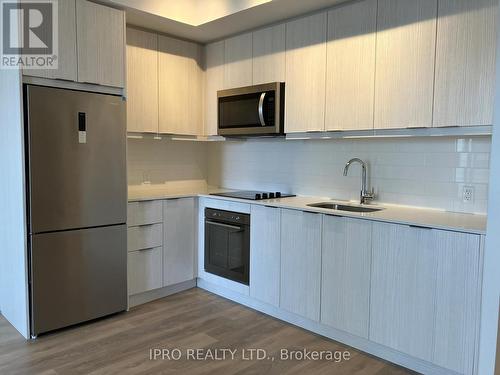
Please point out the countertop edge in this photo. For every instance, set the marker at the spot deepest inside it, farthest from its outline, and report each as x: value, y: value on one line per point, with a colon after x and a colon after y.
x: 281, y: 203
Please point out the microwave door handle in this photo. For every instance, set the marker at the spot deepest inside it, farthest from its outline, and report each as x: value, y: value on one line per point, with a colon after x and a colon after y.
x: 261, y: 109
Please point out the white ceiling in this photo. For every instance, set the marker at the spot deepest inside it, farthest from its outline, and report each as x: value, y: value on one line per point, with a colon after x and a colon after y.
x: 191, y: 12
x: 208, y: 20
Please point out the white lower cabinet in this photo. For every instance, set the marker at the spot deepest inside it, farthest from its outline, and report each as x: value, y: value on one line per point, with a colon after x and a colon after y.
x: 144, y: 270
x: 145, y: 212
x: 265, y: 254
x: 144, y: 237
x: 179, y: 238
x: 425, y: 294
x: 412, y: 293
x: 144, y: 246
x: 301, y: 263
x: 345, y: 286
x: 161, y: 243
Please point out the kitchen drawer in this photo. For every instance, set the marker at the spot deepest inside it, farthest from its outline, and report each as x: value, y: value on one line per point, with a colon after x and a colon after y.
x: 145, y: 270
x: 147, y: 212
x: 145, y: 237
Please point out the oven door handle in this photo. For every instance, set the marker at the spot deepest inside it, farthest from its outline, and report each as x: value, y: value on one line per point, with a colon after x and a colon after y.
x: 261, y: 109
x: 224, y: 225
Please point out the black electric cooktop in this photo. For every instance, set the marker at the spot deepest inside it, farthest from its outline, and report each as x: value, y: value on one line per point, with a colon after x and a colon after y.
x: 253, y: 195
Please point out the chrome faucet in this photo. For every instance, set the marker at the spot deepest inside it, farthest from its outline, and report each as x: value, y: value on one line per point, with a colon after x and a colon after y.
x: 365, y: 195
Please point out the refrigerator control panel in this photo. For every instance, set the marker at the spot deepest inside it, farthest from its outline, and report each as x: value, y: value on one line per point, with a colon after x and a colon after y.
x: 82, y: 127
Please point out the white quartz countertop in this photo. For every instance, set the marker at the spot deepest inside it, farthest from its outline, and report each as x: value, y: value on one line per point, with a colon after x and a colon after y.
x: 416, y: 216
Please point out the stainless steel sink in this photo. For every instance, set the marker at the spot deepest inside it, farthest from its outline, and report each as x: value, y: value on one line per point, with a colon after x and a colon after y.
x: 344, y: 207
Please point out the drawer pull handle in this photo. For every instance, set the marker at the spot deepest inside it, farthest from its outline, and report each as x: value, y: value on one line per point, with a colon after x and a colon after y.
x: 147, y: 225
x: 146, y: 249
x: 420, y: 227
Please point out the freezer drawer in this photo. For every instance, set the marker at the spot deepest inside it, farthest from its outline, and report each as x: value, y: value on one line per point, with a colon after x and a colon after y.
x: 77, y: 276
x: 77, y: 159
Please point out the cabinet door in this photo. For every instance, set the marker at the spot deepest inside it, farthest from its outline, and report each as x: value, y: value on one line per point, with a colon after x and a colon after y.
x: 345, y: 287
x: 269, y: 55
x: 406, y: 47
x: 144, y: 270
x: 142, y: 81
x: 350, y: 76
x: 180, y: 82
x: 101, y: 44
x: 424, y: 294
x: 67, y: 66
x: 214, y: 81
x: 238, y: 61
x: 265, y: 231
x: 179, y: 240
x: 305, y: 74
x: 458, y: 300
x: 465, y: 62
x: 301, y: 263
x: 402, y: 297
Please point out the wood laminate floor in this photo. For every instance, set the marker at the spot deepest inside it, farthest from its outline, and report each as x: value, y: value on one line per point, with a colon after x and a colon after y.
x: 194, y: 319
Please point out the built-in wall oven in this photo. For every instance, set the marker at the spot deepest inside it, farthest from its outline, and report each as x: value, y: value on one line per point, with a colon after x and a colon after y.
x: 252, y: 111
x: 227, y: 244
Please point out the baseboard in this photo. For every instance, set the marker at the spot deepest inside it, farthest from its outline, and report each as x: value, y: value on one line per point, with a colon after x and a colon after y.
x: 142, y: 298
x: 356, y: 342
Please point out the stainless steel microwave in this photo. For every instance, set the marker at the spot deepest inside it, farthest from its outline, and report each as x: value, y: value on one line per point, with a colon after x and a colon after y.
x: 252, y: 111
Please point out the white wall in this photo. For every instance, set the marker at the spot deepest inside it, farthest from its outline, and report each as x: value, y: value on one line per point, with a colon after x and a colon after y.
x: 13, y: 236
x: 427, y: 172
x: 161, y: 161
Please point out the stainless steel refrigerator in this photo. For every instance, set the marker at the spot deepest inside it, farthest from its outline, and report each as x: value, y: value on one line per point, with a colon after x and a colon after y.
x: 77, y: 206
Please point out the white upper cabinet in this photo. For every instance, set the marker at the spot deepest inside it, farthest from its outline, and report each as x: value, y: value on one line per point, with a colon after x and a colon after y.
x: 345, y: 286
x: 425, y: 294
x: 101, y: 44
x: 269, y: 55
x: 180, y: 87
x: 305, y: 74
x: 67, y: 67
x: 465, y: 62
x: 214, y: 81
x: 142, y: 81
x: 350, y: 75
x: 406, y: 47
x: 238, y: 61
x: 301, y: 263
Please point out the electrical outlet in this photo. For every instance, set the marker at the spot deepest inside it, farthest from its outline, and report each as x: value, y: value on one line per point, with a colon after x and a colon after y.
x: 468, y: 194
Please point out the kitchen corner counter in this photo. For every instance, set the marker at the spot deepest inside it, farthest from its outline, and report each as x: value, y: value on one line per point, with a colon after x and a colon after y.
x: 171, y: 190
x: 407, y: 215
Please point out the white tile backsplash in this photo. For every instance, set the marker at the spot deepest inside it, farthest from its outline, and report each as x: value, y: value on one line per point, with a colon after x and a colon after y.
x: 160, y: 161
x: 427, y: 172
